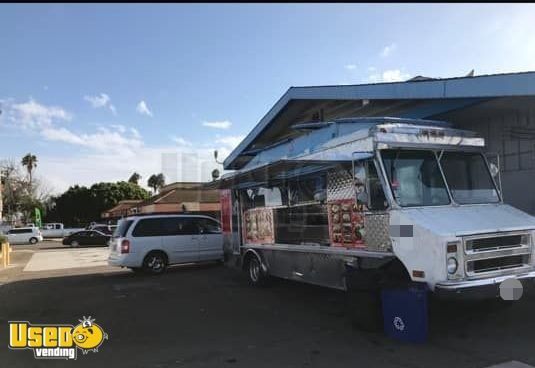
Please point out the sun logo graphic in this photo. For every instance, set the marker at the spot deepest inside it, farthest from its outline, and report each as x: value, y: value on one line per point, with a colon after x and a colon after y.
x: 88, y: 336
x: 61, y: 341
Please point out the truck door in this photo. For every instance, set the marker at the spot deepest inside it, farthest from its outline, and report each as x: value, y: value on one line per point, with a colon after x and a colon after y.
x: 371, y: 202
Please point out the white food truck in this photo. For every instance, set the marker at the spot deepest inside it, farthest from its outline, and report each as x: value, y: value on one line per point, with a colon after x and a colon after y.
x: 366, y: 201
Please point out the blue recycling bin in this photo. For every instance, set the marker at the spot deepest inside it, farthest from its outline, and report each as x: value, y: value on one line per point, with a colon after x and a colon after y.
x: 405, y: 313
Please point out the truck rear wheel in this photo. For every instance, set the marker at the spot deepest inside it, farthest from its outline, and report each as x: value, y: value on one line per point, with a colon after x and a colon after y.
x: 257, y: 276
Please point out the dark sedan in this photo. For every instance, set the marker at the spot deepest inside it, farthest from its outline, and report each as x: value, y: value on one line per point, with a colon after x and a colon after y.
x: 87, y: 237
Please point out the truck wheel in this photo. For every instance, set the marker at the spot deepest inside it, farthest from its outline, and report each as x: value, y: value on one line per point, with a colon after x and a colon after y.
x: 257, y: 276
x: 155, y: 263
x: 33, y: 240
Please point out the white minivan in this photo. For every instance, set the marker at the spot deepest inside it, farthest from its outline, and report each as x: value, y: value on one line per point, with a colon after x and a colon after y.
x: 24, y: 235
x: 151, y: 243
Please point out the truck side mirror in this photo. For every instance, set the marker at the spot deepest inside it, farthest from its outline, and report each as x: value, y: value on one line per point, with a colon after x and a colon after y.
x: 494, y: 169
x: 320, y: 196
x: 493, y: 160
x: 362, y: 198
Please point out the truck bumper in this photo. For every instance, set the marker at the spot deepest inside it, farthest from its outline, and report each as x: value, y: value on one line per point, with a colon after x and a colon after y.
x: 488, y: 288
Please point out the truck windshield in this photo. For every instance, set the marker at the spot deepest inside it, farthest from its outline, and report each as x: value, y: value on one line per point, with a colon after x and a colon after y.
x: 415, y: 178
x: 468, y: 178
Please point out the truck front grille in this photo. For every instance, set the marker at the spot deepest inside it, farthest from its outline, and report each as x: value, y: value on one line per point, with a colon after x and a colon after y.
x: 497, y: 253
x: 496, y: 242
x: 496, y: 264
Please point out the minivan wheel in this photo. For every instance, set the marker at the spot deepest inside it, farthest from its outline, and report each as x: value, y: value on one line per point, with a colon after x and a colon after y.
x: 33, y: 240
x: 155, y: 263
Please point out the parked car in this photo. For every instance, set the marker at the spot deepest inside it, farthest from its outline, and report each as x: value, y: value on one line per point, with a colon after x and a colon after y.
x: 151, y: 243
x: 24, y: 235
x: 87, y: 237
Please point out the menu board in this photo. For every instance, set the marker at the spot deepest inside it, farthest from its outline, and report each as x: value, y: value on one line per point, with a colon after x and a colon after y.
x: 258, y: 226
x: 346, y: 224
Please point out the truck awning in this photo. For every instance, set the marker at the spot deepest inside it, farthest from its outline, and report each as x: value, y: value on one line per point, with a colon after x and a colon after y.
x: 286, y: 169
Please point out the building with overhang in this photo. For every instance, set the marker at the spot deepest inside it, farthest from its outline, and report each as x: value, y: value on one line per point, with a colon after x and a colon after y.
x: 180, y: 197
x: 500, y: 107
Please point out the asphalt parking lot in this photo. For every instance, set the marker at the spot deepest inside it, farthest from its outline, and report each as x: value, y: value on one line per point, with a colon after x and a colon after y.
x: 208, y: 316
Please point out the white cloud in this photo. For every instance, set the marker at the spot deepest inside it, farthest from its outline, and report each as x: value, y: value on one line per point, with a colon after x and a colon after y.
x: 181, y: 141
x: 392, y: 75
x: 224, y: 124
x: 194, y: 163
x: 109, y: 153
x: 100, y: 101
x: 387, y: 50
x: 143, y: 109
x: 121, y: 128
x: 62, y: 135
x: 135, y: 133
x: 32, y: 114
x: 231, y: 141
x: 103, y: 140
x: 350, y: 66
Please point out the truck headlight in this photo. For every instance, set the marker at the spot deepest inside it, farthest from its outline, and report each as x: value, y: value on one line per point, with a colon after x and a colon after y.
x: 452, y: 265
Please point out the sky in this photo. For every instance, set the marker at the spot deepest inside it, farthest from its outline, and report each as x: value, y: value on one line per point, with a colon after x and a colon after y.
x: 98, y: 91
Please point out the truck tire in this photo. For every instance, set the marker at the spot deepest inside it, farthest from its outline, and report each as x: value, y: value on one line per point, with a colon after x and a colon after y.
x: 155, y: 263
x: 33, y: 240
x: 255, y: 274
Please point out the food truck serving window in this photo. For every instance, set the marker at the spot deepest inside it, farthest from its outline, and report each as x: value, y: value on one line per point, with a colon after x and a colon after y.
x: 307, y: 190
x: 415, y: 178
x: 265, y: 197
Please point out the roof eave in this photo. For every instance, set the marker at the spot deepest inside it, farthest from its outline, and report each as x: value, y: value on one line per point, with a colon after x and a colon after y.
x: 496, y: 85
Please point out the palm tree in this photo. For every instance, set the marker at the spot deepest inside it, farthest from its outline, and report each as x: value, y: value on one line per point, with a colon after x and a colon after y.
x: 156, y: 182
x: 30, y: 162
x: 134, y: 178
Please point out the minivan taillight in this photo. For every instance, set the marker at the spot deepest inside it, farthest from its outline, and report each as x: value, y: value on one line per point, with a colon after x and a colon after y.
x: 125, y: 246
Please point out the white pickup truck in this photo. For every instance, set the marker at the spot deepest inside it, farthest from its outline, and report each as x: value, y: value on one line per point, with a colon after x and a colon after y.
x: 57, y: 230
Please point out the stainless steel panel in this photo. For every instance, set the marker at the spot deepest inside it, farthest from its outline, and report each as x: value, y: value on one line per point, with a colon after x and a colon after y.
x: 319, y: 269
x: 340, y: 185
x: 376, y: 234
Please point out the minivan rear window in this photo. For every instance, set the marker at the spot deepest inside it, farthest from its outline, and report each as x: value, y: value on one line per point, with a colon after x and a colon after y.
x: 122, y: 228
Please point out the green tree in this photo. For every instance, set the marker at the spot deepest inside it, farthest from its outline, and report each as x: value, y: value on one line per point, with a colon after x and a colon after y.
x: 156, y: 182
x: 30, y: 162
x: 80, y: 205
x: 134, y: 178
